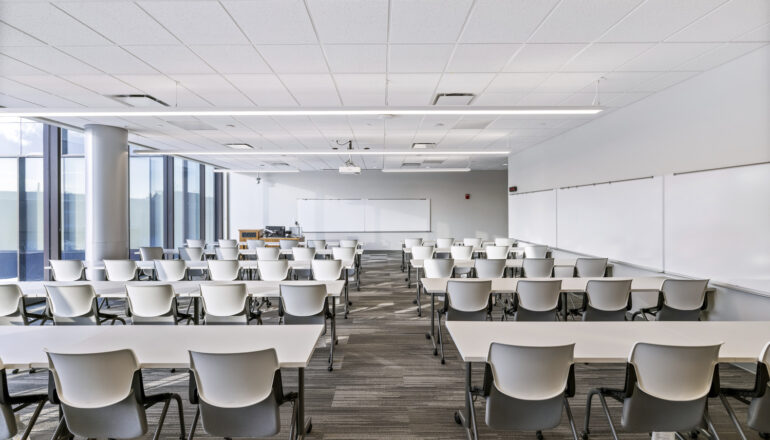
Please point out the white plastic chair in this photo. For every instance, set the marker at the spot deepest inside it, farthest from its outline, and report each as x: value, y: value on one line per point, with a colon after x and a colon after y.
x: 226, y: 304
x: 444, y: 243
x: 121, y: 270
x: 273, y: 270
x: 228, y: 243
x: 317, y: 244
x: 409, y: 243
x: 527, y: 388
x: 193, y: 243
x: 423, y: 252
x: 465, y: 300
x: 152, y: 304
x: 666, y: 389
x: 102, y: 395
x: 461, y: 252
x: 268, y: 253
x: 191, y: 253
x: 535, y: 251
x: 254, y: 244
x: 679, y: 300
x: 13, y: 404
x: 76, y: 305
x: 537, y: 267
x: 472, y: 242
x: 238, y: 394
x: 224, y: 270
x: 303, y: 253
x: 497, y: 252
x: 345, y: 254
x: 758, y: 398
x: 590, y: 267
x: 67, y: 270
x: 537, y: 300
x: 171, y: 270
x: 227, y: 253
x: 150, y: 253
x: 326, y: 270
x: 486, y: 268
x: 438, y: 267
x: 349, y: 243
x: 12, y: 310
x: 606, y: 300
x: 288, y: 244
x: 303, y: 304
x: 503, y: 241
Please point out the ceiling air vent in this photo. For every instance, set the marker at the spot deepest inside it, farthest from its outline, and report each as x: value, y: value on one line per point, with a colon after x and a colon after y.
x: 453, y: 99
x: 423, y: 146
x: 410, y: 164
x: 138, y: 100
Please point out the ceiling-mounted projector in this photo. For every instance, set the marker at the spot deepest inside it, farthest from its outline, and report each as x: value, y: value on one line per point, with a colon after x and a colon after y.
x: 350, y: 168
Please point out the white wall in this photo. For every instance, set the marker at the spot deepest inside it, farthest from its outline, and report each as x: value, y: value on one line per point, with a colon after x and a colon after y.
x: 274, y: 201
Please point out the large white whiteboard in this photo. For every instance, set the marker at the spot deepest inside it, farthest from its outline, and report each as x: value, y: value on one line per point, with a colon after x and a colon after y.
x: 718, y: 225
x: 621, y: 221
x: 364, y: 215
x: 532, y: 217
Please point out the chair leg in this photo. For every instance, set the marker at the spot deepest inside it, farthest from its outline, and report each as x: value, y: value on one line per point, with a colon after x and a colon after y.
x: 166, y: 404
x: 609, y: 418
x: 194, y: 423
x: 586, y: 429
x: 59, y: 429
x: 571, y: 420
x: 440, y: 339
x: 32, y: 420
x: 731, y: 413
x: 712, y: 430
x: 181, y: 416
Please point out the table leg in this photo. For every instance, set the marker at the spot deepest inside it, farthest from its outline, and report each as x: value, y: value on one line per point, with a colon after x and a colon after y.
x: 432, y: 334
x: 565, y: 309
x: 419, y: 302
x: 409, y: 275
x: 196, y: 311
x: 334, y: 334
x: 347, y: 302
x: 403, y: 259
x: 302, y: 424
x: 466, y: 417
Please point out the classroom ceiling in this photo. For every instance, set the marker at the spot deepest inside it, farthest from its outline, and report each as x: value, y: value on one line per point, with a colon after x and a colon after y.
x: 353, y: 53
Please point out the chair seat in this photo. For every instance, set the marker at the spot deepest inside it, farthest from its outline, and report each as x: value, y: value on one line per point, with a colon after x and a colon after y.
x: 645, y: 413
x: 509, y: 413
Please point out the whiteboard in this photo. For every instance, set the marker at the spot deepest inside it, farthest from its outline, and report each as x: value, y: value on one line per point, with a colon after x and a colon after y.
x: 621, y: 221
x: 532, y: 217
x: 718, y: 225
x: 364, y: 215
x: 388, y: 215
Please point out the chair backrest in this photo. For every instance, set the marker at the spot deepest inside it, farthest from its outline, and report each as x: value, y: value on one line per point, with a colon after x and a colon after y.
x: 120, y: 270
x: 193, y: 243
x: 412, y: 242
x: 253, y: 244
x: 317, y: 244
x: 70, y: 301
x: 226, y: 253
x: 438, y: 267
x: 234, y: 380
x: 537, y: 267
x: 531, y: 373
x: 764, y: 357
x: 348, y: 243
x: 228, y: 243
x: 224, y: 270
x: 535, y: 251
x: 503, y: 241
x: 10, y: 299
x: 191, y: 253
x: 590, y: 267
x: 423, y: 252
x: 150, y: 301
x: 67, y: 270
x: 445, y: 242
x: 675, y: 373
x: 684, y: 294
x: 303, y: 300
x: 608, y: 295
x: 461, y: 252
x: 268, y: 253
x: 170, y: 270
x: 538, y: 295
x: 224, y: 299
x: 497, y: 252
x: 472, y: 242
x: 326, y: 270
x: 149, y: 253
x: 345, y: 254
x: 288, y: 244
x: 273, y: 270
x: 486, y: 268
x: 303, y: 253
x: 468, y: 296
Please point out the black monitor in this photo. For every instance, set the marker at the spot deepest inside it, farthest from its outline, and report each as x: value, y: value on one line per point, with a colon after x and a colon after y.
x: 274, y: 231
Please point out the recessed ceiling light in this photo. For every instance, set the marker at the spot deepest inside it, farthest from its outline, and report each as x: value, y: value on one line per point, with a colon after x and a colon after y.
x: 239, y: 146
x: 423, y: 145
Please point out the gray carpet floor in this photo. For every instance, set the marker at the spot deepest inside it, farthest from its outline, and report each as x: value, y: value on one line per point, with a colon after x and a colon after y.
x: 386, y: 383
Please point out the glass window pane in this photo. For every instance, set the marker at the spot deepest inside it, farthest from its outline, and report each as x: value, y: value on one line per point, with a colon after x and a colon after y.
x: 72, y: 143
x: 31, y: 138
x: 146, y: 205
x: 193, y: 201
x: 10, y: 137
x: 9, y: 221
x: 210, y: 207
x: 31, y: 220
x: 179, y: 184
x: 157, y: 209
x: 73, y: 209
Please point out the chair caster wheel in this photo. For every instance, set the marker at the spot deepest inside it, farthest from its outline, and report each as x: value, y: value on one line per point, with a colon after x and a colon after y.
x: 458, y: 420
x: 584, y: 435
x: 435, y: 352
x: 330, y: 368
x: 414, y: 301
x: 337, y: 342
x: 764, y: 435
x: 309, y: 428
x: 443, y: 361
x: 427, y: 335
x: 539, y: 435
x: 350, y: 303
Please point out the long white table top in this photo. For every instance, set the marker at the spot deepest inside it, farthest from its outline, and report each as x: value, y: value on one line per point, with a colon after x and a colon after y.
x: 204, y: 265
x: 511, y: 262
x: 508, y: 285
x: 117, y: 289
x: 611, y: 342
x: 157, y: 346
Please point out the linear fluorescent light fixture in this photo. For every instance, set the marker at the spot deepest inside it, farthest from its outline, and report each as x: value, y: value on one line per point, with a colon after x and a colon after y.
x: 321, y: 153
x: 254, y: 171
x: 239, y: 146
x: 414, y: 111
x: 425, y: 170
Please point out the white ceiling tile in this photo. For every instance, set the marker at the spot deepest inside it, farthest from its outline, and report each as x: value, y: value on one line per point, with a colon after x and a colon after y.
x: 312, y: 90
x: 582, y: 21
x: 567, y: 82
x: 761, y: 33
x: 294, y: 58
x: 464, y: 82
x: 123, y: 22
x: 350, y: 21
x: 544, y: 99
x: 36, y: 96
x: 165, y: 89
x: 63, y: 88
x: 263, y: 90
x: 720, y: 55
x: 512, y: 21
x: 412, y: 89
x: 418, y: 58
x: 215, y: 89
x: 48, y: 59
x: 516, y: 82
x: 729, y: 21
x: 498, y: 99
x: 510, y: 122
x: 655, y: 20
x: 12, y: 37
x: 588, y: 99
x: 481, y: 57
x: 605, y: 57
x: 170, y: 59
x: 231, y: 58
x: 356, y: 58
x: 542, y: 57
x: 667, y: 56
x: 626, y: 99
x: 10, y: 66
x: 102, y: 84
x: 624, y: 81
x: 273, y: 21
x: 427, y: 21
x: 45, y: 22
x: 196, y: 21
x: 10, y: 101
x: 667, y: 80
x: 361, y: 89
x: 109, y: 59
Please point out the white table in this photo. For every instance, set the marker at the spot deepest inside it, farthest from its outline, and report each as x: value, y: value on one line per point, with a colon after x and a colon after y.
x: 165, y: 346
x: 601, y: 342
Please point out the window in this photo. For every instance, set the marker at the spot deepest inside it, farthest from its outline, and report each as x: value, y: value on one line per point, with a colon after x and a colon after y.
x: 187, y: 201
x: 9, y: 221
x: 146, y: 202
x: 73, y: 196
x: 210, y: 205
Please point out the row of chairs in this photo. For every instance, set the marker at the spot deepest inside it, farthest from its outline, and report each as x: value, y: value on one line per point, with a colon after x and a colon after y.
x: 666, y: 389
x: 446, y: 242
x: 494, y: 252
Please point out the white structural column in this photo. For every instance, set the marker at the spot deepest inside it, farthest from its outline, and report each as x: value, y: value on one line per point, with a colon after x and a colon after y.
x: 106, y: 194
